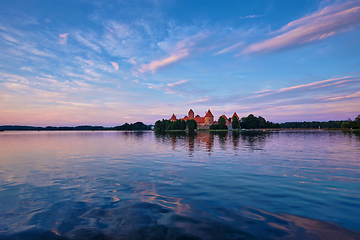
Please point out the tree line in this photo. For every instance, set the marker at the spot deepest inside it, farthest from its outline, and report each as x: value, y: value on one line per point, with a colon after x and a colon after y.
x: 126, y: 126
x: 167, y: 125
x: 133, y: 126
x: 349, y: 124
x: 253, y: 122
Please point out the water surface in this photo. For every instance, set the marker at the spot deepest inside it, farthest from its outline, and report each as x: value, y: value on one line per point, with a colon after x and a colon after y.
x: 142, y: 185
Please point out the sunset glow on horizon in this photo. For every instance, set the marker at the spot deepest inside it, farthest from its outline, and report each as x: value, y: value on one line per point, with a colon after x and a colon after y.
x: 110, y: 62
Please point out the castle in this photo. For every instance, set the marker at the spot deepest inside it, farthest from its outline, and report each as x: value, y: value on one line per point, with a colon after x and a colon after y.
x: 206, y: 121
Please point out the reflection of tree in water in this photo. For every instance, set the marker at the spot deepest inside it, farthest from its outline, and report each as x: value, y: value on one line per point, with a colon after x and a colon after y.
x: 235, y: 139
x: 170, y: 137
x: 138, y: 135
x: 350, y: 134
x: 205, y: 140
x: 222, y: 135
x: 357, y: 135
x: 191, y: 139
x: 254, y: 140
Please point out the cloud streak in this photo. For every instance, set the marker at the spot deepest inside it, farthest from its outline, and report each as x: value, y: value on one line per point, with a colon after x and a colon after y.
x: 317, y: 26
x: 337, y: 98
x: 183, y: 49
x: 63, y: 38
x: 171, y: 88
x: 156, y: 64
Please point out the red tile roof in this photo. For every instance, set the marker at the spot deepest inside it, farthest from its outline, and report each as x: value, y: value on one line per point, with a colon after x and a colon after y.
x: 209, y: 114
x: 224, y: 117
x: 173, y: 117
x: 235, y: 115
x: 199, y: 119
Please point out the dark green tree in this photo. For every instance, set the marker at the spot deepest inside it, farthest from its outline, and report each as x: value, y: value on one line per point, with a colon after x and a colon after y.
x: 250, y: 122
x: 159, y: 126
x: 222, y: 123
x: 262, y: 122
x: 214, y: 126
x: 191, y: 124
x: 346, y: 125
x: 235, y: 122
x: 356, y: 124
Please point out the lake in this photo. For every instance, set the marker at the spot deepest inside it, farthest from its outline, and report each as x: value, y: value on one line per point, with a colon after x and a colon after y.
x: 209, y: 185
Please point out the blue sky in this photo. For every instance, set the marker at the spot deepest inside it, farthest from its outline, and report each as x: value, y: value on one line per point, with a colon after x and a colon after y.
x: 111, y: 62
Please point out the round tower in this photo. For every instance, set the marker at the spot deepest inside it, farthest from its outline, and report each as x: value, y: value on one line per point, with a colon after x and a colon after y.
x: 191, y: 113
x: 209, y: 118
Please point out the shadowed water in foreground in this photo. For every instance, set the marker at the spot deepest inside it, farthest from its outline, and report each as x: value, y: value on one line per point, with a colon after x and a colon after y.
x: 141, y: 185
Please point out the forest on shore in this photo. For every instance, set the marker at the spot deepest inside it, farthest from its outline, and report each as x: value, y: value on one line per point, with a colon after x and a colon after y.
x: 253, y: 122
x: 138, y: 126
x: 249, y: 122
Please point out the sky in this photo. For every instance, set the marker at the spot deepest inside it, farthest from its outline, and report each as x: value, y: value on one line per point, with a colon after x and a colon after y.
x: 68, y: 63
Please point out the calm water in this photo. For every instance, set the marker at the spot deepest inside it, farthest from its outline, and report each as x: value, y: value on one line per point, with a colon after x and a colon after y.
x: 140, y: 185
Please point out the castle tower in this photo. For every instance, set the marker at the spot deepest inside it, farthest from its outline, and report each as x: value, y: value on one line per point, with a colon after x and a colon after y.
x: 234, y: 115
x: 209, y: 118
x: 191, y: 113
x: 173, y: 118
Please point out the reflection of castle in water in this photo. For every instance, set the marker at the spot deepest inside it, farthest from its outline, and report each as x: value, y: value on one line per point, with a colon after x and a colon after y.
x: 204, y: 141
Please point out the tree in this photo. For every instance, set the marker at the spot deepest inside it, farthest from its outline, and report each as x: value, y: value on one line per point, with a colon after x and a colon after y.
x: 250, y: 122
x: 262, y: 122
x: 356, y: 124
x: 191, y: 124
x: 222, y: 123
x: 235, y: 122
x: 159, y: 126
x: 345, y: 125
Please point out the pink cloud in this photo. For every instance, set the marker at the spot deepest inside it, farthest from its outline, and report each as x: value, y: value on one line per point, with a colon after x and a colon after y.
x: 115, y: 65
x: 182, y: 50
x: 353, y: 95
x: 198, y: 101
x: 308, y: 86
x: 320, y: 25
x: 154, y: 65
x: 315, y: 84
x: 63, y: 38
x: 320, y: 13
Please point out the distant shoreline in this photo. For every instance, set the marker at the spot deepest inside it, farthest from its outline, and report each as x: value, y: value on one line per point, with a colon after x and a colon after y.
x: 138, y: 126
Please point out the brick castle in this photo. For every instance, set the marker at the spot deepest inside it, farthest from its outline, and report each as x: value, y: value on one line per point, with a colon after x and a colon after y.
x: 206, y: 121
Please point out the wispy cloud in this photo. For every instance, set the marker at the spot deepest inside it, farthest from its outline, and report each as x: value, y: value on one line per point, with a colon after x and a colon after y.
x: 183, y: 49
x: 316, y: 84
x: 199, y: 101
x: 231, y: 48
x: 348, y: 96
x: 319, y: 25
x: 304, y: 88
x: 156, y: 64
x: 63, y: 38
x: 8, y: 38
x: 251, y: 16
x: 87, y: 39
x: 171, y: 88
